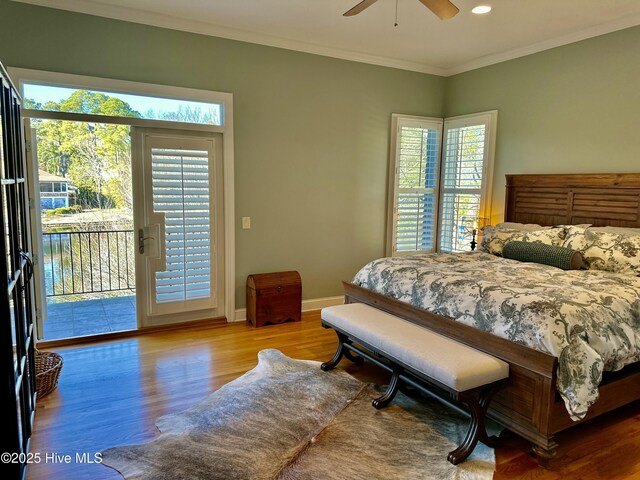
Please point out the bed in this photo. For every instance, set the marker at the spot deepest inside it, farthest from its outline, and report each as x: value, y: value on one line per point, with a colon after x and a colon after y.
x: 531, y: 405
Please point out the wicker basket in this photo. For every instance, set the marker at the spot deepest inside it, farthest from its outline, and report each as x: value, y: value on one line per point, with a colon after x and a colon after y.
x: 47, y: 366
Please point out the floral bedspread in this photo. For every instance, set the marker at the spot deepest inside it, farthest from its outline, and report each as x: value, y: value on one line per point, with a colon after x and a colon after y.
x: 589, y: 319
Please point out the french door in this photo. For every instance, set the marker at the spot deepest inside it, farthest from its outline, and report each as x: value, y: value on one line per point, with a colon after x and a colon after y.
x: 178, y: 223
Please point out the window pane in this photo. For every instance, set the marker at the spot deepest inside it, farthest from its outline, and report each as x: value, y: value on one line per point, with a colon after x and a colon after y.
x: 72, y: 100
x: 417, y: 170
x: 416, y: 218
x: 418, y: 157
x: 464, y: 160
x: 459, y: 216
x: 181, y: 190
x: 464, y: 157
x: 46, y: 203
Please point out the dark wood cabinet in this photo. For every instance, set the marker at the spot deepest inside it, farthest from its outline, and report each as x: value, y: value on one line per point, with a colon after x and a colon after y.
x: 274, y: 298
x: 17, y: 390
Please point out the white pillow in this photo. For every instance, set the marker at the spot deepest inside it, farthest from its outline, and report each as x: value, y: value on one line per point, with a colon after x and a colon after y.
x: 604, y: 250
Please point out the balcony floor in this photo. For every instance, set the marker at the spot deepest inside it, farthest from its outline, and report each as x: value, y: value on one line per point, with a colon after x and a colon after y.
x: 92, y: 316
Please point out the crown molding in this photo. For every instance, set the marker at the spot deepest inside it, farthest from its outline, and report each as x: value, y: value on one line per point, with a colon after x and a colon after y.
x: 584, y: 34
x: 176, y: 23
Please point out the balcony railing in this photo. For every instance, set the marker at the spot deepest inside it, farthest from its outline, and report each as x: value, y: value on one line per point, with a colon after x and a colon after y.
x: 88, y: 262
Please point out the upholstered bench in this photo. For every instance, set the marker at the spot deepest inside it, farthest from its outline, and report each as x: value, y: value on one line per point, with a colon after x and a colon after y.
x: 419, y: 357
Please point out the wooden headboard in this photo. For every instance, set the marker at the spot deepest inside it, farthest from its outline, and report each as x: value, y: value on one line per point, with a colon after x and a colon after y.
x: 570, y: 199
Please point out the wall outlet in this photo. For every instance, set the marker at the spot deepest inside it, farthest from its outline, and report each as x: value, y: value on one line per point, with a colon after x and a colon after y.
x: 246, y: 223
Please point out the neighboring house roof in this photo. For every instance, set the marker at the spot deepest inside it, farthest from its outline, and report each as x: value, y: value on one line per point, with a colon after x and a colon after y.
x: 50, y: 177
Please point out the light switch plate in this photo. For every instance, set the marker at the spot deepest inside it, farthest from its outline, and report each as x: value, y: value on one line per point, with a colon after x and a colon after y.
x: 246, y: 223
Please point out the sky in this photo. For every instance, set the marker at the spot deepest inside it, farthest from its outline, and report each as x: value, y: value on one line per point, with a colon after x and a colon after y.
x: 142, y: 104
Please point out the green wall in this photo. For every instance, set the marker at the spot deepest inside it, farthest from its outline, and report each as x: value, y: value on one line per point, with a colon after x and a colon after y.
x: 311, y: 132
x: 572, y: 109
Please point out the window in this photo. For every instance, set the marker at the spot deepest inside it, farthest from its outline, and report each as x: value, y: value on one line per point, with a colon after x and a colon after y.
x: 467, y: 166
x: 46, y: 187
x: 437, y: 199
x: 181, y: 191
x: 59, y: 202
x: 416, y: 147
x: 56, y: 187
x: 75, y: 100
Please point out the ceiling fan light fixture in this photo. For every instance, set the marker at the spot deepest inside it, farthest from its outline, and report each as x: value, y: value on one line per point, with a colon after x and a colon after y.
x: 481, y: 9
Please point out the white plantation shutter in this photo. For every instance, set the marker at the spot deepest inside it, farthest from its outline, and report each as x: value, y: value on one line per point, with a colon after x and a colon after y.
x: 435, y: 197
x: 467, y: 166
x: 181, y: 187
x: 414, y: 190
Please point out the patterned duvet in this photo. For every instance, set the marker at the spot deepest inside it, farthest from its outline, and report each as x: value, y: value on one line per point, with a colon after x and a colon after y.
x: 589, y: 319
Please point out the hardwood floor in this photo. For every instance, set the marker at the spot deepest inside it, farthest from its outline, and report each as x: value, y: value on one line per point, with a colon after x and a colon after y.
x: 111, y: 394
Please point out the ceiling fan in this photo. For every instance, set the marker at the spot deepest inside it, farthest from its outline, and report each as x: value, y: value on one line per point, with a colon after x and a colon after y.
x: 444, y: 9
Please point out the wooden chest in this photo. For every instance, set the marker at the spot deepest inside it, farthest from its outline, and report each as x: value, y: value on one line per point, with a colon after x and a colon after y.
x: 274, y: 298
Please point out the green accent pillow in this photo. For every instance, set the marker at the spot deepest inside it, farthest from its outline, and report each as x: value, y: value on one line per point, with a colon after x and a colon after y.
x: 559, y: 257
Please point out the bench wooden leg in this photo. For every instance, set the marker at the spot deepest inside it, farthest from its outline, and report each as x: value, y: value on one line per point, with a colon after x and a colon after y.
x: 340, y: 352
x: 331, y: 364
x: 349, y: 354
x: 483, y: 399
x: 478, y: 406
x: 386, y: 398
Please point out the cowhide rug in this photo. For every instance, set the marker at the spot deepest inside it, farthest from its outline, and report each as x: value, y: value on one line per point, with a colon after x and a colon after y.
x: 286, y: 419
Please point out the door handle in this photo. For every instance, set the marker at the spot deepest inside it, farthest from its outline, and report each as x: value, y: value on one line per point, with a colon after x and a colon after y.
x: 28, y: 271
x: 141, y: 239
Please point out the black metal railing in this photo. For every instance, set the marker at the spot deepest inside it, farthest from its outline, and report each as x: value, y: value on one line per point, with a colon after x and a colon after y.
x: 93, y: 261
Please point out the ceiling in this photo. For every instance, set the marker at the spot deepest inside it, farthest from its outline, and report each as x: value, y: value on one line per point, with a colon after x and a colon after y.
x: 421, y: 42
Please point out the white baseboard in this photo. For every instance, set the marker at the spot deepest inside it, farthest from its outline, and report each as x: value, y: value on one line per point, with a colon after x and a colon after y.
x: 307, y: 305
x: 319, y: 303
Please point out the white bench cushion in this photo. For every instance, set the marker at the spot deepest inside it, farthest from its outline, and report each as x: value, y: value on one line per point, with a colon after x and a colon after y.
x: 447, y: 361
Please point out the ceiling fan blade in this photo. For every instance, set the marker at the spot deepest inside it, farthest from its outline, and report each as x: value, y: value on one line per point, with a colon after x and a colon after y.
x: 444, y: 9
x: 359, y: 7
